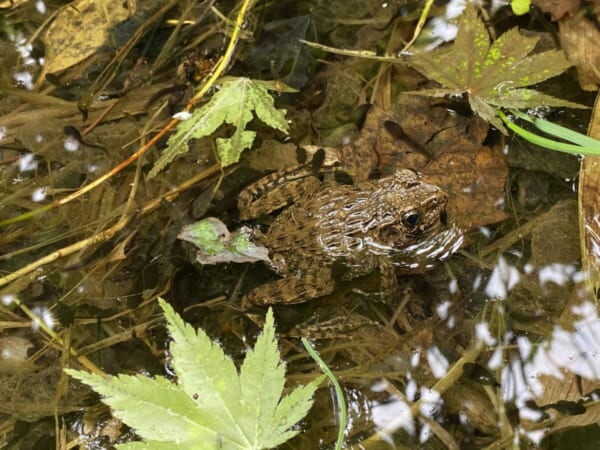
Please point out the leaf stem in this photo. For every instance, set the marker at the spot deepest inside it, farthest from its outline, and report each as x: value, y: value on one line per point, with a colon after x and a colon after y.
x: 339, y: 393
x: 574, y: 137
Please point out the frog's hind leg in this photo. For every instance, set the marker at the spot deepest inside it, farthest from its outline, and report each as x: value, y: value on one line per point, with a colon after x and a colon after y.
x: 291, y: 290
x: 254, y: 203
x: 280, y: 188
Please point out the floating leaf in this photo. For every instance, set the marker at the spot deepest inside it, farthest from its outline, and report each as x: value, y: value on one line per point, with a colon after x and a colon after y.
x: 235, y: 103
x: 211, y: 406
x: 490, y: 74
x: 157, y: 409
x: 217, y: 245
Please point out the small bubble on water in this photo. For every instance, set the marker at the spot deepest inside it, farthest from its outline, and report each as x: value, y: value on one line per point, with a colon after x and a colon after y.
x: 40, y: 6
x: 39, y: 194
x: 71, y: 144
x: 27, y: 162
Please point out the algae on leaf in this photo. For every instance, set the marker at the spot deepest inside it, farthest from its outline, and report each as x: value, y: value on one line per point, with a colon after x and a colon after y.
x: 492, y: 74
x: 211, y: 406
x: 235, y: 102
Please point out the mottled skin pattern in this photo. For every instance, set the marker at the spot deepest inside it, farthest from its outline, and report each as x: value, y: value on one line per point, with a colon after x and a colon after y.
x: 360, y: 227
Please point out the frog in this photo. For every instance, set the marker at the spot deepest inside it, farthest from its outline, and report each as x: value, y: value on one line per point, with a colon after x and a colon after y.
x: 329, y: 232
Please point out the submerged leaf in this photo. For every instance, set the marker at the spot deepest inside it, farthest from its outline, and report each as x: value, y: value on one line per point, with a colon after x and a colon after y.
x: 492, y: 73
x: 80, y: 29
x: 234, y: 103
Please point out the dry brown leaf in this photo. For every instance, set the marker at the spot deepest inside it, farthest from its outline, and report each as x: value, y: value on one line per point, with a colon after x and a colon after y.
x: 589, y: 205
x: 558, y: 8
x: 272, y: 155
x: 579, y: 37
x: 474, y: 182
x: 446, y: 147
x: 79, y: 30
x: 567, y: 389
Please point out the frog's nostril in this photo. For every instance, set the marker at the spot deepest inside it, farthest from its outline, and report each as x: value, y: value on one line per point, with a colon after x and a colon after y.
x: 444, y: 217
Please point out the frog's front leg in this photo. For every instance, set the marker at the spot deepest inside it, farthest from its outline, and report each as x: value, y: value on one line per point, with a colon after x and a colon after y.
x: 388, y: 280
x: 291, y: 290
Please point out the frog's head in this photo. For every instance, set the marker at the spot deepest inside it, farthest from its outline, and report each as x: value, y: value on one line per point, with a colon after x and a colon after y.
x: 408, y: 209
x: 411, y: 222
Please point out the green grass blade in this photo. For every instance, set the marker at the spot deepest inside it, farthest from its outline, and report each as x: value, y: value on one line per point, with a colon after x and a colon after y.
x: 548, y: 143
x: 559, y: 131
x: 339, y: 393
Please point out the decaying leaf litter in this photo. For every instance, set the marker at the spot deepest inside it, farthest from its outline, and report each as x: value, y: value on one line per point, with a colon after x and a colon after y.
x: 101, y: 295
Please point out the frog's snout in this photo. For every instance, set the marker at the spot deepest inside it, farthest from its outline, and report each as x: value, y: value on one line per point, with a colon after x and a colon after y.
x: 436, y: 201
x: 435, y: 206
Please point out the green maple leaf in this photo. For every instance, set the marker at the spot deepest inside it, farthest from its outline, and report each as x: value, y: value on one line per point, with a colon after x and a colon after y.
x: 492, y: 74
x: 235, y: 102
x: 211, y: 406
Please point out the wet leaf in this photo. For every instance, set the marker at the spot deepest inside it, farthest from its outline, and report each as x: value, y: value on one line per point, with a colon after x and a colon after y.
x: 588, y: 206
x: 216, y: 245
x: 490, y: 74
x: 558, y: 9
x: 79, y: 30
x: 280, y: 50
x: 236, y: 102
x: 579, y: 37
x: 442, y: 144
x: 474, y: 182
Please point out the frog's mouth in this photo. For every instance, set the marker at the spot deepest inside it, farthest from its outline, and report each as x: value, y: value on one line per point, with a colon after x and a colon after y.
x: 428, y: 251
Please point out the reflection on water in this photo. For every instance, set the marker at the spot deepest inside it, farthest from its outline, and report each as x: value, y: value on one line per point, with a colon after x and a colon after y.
x: 525, y: 366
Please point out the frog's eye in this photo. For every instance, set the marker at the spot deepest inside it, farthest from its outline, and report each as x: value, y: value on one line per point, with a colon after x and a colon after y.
x: 411, y: 218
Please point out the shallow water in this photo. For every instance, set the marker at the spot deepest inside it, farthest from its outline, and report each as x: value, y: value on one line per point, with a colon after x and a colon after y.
x: 496, y: 347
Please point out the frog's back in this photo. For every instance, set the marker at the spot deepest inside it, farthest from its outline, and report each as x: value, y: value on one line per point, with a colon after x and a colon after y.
x: 323, y: 228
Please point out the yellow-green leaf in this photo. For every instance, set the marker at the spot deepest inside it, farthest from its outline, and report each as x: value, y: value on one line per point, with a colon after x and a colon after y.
x: 235, y: 102
x: 210, y: 406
